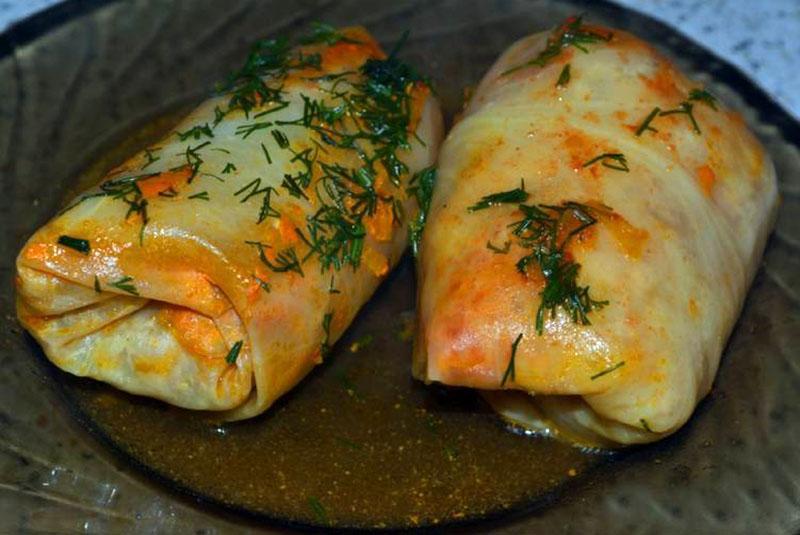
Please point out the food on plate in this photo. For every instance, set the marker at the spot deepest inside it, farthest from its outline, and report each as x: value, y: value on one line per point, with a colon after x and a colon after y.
x: 214, y: 269
x: 595, y: 224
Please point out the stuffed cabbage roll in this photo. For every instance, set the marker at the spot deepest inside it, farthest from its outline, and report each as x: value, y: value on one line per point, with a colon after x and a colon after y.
x: 597, y: 220
x: 215, y: 268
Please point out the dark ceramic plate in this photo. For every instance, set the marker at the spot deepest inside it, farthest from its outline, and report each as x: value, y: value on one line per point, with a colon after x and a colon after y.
x: 358, y: 443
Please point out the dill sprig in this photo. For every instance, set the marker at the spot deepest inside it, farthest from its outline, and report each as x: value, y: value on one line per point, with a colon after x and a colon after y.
x: 233, y: 354
x: 254, y: 189
x: 514, y: 196
x: 541, y: 230
x: 322, y: 33
x: 545, y: 231
x: 148, y: 153
x: 320, y: 514
x: 79, y: 244
x: 686, y: 107
x: 421, y: 187
x: 608, y: 370
x: 125, y: 284
x: 511, y: 372
x: 196, y: 132
x: 246, y: 130
x: 612, y: 160
x: 564, y: 77
x: 571, y: 33
x: 285, y: 260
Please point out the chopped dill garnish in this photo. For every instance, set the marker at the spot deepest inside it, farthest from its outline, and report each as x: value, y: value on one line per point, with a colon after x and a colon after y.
x: 291, y: 185
x: 278, y: 107
x: 514, y: 196
x: 255, y: 189
x: 245, y: 130
x: 564, y: 77
x: 322, y: 33
x: 264, y: 285
x: 615, y: 367
x: 220, y: 149
x: 686, y: 107
x: 499, y: 250
x: 193, y: 159
x: 285, y: 260
x: 645, y: 126
x: 539, y: 230
x: 97, y: 288
x: 645, y: 425
x: 169, y: 192
x: 421, y: 187
x: 196, y: 132
x: 703, y: 96
x: 233, y: 354
x: 280, y: 139
x: 203, y: 196
x: 612, y: 160
x: 570, y: 33
x: 325, y: 349
x: 318, y: 509
x: 546, y: 230
x: 229, y: 167
x: 78, y: 244
x: 125, y: 284
x: 511, y: 369
x: 266, y: 154
x: 148, y: 153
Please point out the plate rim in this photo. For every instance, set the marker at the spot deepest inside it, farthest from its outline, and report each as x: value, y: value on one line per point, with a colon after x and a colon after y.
x: 768, y: 111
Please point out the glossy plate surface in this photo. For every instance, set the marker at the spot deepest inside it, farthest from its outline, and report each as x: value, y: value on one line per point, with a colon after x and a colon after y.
x: 358, y: 443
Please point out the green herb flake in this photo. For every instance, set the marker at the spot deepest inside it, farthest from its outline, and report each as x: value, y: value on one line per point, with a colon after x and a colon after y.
x: 615, y: 367
x: 125, y: 284
x: 612, y: 160
x: 245, y: 130
x: 196, y: 132
x: 421, y: 187
x: 148, y: 153
x: 564, y: 77
x: 264, y: 285
x: 233, y: 354
x: 645, y: 126
x: 203, y: 196
x: 97, y: 285
x: 571, y: 32
x: 266, y: 154
x: 514, y: 196
x: 325, y: 348
x: 320, y: 514
x: 229, y: 167
x: 511, y: 369
x: 78, y: 244
x: 322, y: 33
x: 645, y: 425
